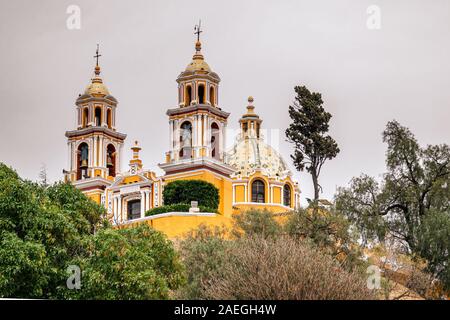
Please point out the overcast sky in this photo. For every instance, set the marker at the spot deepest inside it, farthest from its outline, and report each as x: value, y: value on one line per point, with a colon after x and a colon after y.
x: 260, y: 48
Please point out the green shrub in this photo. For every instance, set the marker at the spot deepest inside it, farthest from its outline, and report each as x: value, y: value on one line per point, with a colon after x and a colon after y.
x: 178, y: 207
x: 203, y: 252
x: 255, y: 222
x: 185, y: 191
x: 130, y: 264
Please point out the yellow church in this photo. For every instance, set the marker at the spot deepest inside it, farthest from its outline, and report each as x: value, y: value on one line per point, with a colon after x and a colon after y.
x: 250, y: 174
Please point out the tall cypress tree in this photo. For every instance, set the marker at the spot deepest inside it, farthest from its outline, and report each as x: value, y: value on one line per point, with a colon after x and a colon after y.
x: 308, y: 132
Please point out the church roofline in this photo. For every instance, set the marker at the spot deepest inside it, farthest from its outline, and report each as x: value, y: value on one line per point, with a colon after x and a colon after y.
x: 88, y: 130
x: 198, y: 107
x: 195, y: 164
x: 84, y: 98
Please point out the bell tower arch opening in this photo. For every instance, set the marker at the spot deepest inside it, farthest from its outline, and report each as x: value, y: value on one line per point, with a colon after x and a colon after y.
x: 111, y: 160
x: 98, y: 116
x: 188, y: 96
x: 212, y: 96
x: 215, y: 141
x: 186, y: 140
x: 109, y: 118
x: 85, y: 118
x: 201, y: 93
x: 82, y: 161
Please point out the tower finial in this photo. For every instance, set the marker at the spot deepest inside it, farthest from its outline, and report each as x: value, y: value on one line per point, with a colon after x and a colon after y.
x: 198, y: 30
x: 97, y: 55
x: 97, y: 67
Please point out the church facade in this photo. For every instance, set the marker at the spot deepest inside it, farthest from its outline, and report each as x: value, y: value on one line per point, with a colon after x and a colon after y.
x: 251, y: 174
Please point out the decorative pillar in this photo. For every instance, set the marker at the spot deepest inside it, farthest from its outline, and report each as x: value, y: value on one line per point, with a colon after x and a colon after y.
x: 142, y: 204
x: 147, y: 200
x: 115, y: 209
x: 119, y: 209
x: 176, y: 140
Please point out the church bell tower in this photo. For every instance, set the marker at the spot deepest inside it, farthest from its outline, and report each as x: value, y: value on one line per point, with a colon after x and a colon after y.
x: 197, y: 125
x: 95, y: 145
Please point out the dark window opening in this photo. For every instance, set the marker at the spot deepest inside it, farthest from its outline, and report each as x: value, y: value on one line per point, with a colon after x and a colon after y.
x: 215, y: 141
x: 258, y: 192
x: 188, y: 97
x: 109, y: 118
x: 85, y: 116
x: 111, y: 160
x: 201, y: 94
x: 287, y: 195
x: 134, y: 209
x: 212, y: 96
x: 82, y: 161
x: 186, y: 140
x: 98, y: 117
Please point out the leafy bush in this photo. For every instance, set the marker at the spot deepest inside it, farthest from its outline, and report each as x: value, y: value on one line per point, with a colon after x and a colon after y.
x: 434, y: 243
x: 42, y: 229
x: 133, y: 263
x: 264, y: 268
x: 185, y: 191
x: 282, y: 268
x: 179, y: 207
x: 45, y: 229
x: 328, y: 230
x: 203, y: 253
x: 255, y: 222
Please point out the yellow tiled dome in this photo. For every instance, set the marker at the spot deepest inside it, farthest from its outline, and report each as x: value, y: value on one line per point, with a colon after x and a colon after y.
x: 198, y: 62
x: 96, y: 87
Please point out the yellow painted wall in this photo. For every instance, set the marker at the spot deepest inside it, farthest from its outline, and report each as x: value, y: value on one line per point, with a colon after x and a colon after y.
x: 238, y: 208
x: 179, y: 226
x: 277, y: 195
x: 96, y: 196
x: 239, y: 194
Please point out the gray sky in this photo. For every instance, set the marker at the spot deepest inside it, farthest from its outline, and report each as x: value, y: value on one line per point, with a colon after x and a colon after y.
x: 259, y: 48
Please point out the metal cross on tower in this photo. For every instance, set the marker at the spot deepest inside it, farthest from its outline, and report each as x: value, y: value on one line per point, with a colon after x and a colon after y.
x: 97, y: 55
x: 198, y: 30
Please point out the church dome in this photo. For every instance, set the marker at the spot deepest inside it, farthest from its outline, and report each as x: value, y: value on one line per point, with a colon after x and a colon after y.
x: 97, y: 87
x: 251, y: 154
x: 198, y: 63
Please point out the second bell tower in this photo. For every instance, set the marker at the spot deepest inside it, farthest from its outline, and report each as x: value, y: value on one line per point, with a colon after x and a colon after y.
x: 197, y: 125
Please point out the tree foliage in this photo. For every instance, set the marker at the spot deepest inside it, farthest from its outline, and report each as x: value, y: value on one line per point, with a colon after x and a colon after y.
x: 308, y: 132
x: 329, y: 231
x: 255, y: 222
x: 185, y: 191
x: 41, y: 229
x: 417, y: 183
x: 130, y: 264
x: 45, y: 229
x: 262, y: 261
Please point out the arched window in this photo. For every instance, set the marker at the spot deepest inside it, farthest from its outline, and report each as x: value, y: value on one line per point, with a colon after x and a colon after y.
x: 186, y: 140
x: 188, y: 97
x: 98, y: 117
x: 212, y: 96
x: 82, y: 161
x: 215, y: 143
x: 258, y: 192
x: 287, y: 195
x: 111, y: 160
x: 109, y: 118
x: 134, y: 209
x: 201, y: 94
x: 85, y: 117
